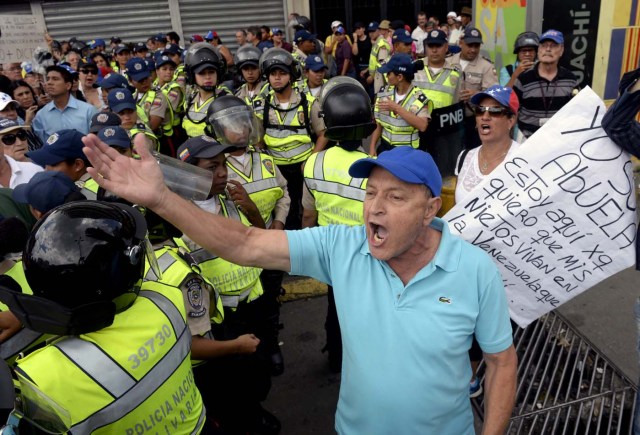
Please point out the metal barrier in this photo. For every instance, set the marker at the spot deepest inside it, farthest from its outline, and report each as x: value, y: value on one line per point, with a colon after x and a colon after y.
x: 565, y: 384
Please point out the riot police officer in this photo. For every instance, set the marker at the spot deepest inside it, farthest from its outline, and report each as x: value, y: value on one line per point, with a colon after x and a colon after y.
x: 247, y: 61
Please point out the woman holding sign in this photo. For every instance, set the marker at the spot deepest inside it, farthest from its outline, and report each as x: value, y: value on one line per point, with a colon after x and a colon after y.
x: 496, y: 111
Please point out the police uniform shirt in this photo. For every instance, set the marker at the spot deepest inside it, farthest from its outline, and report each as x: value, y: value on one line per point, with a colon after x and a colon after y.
x: 387, y: 94
x: 158, y: 107
x: 196, y: 293
x: 174, y: 98
x: 316, y: 122
x: 421, y: 80
x: 477, y: 75
x: 245, y: 165
x: 248, y: 96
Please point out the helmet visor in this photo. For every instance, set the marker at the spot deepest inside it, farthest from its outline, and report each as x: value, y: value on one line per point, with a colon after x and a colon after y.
x: 236, y: 126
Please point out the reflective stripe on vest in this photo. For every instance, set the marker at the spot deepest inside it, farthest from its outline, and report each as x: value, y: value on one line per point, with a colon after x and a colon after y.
x: 90, y: 189
x: 118, y: 382
x: 149, y: 97
x: 395, y: 129
x: 338, y: 196
x: 194, y: 120
x: 175, y: 111
x: 19, y: 342
x: 227, y: 278
x: 441, y: 90
x: 374, y: 63
x: 164, y: 262
x: 152, y: 137
x: 261, y: 185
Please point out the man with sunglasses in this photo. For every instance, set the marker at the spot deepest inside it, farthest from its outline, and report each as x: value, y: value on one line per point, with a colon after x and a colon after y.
x: 12, y: 171
x: 477, y: 73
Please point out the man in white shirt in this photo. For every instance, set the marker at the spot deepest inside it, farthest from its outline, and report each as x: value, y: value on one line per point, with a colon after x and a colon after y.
x: 419, y: 34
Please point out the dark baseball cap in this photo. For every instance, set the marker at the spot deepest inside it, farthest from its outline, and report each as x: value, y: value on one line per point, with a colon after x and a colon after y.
x: 405, y: 163
x: 304, y: 35
x: 102, y: 120
x: 402, y: 35
x: 398, y: 63
x: 115, y: 137
x: 201, y: 147
x: 45, y: 191
x: 472, y: 35
x: 120, y: 48
x: 436, y: 37
x: 314, y: 63
x: 163, y: 59
x: 137, y: 69
x: 139, y: 47
x: 373, y: 26
x: 61, y: 145
x: 114, y: 80
x: 121, y: 99
x: 171, y: 49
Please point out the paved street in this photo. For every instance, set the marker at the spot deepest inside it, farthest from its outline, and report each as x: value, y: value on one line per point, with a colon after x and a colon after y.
x: 305, y: 397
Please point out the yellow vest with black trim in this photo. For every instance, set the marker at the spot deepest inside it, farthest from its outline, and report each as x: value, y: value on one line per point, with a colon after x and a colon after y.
x: 195, y: 116
x: 147, y: 101
x: 25, y: 339
x: 338, y: 196
x: 261, y: 184
x: 289, y: 145
x: 374, y: 62
x: 90, y: 189
x: 235, y: 283
x: 179, y: 76
x: 441, y: 89
x: 131, y: 377
x: 395, y: 130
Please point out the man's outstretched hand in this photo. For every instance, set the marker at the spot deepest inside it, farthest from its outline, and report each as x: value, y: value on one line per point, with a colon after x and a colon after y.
x: 138, y: 181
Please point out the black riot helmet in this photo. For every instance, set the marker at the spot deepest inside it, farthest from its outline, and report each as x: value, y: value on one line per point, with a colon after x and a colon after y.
x: 200, y: 56
x: 84, y: 262
x: 278, y: 58
x: 300, y: 22
x: 346, y: 110
x: 247, y: 55
x: 231, y: 121
x: 526, y: 39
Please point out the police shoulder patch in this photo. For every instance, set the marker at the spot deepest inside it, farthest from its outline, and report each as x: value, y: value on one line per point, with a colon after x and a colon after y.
x: 195, y: 297
x: 422, y: 97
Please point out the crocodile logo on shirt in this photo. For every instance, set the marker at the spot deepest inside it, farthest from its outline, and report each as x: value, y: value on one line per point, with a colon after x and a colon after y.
x: 444, y: 300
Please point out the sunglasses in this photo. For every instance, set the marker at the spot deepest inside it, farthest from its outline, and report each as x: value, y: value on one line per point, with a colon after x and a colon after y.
x: 493, y: 111
x: 10, y: 139
x: 89, y: 71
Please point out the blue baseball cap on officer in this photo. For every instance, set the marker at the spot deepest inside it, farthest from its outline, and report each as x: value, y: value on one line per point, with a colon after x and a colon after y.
x: 163, y: 59
x: 304, y: 35
x: 402, y: 35
x: 137, y: 69
x: 45, y: 191
x: 552, y: 35
x: 60, y: 146
x: 436, y: 37
x: 115, y: 137
x: 399, y: 63
x: 121, y: 99
x: 114, y: 80
x: 314, y: 63
x: 372, y: 26
x: 120, y: 48
x: 97, y: 43
x: 103, y: 119
x: 171, y: 49
x: 140, y: 47
x: 472, y: 35
x: 405, y: 163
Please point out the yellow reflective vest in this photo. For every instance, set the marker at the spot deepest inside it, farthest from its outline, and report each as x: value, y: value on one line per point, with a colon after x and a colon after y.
x: 261, y: 184
x: 289, y: 140
x: 395, y: 130
x: 131, y: 377
x: 441, y: 89
x: 235, y: 283
x: 338, y: 196
x: 374, y: 62
x: 146, y: 102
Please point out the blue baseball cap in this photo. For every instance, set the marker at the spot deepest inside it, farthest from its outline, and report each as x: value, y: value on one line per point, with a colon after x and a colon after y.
x: 120, y: 48
x: 139, y: 47
x: 436, y: 37
x: 314, y: 63
x: 120, y: 99
x: 151, y: 63
x: 304, y: 35
x: 472, y: 35
x: 61, y: 145
x: 103, y: 119
x: 276, y: 31
x: 402, y: 35
x: 97, y: 43
x: 372, y: 26
x: 114, y: 80
x: 137, y: 69
x: 503, y: 95
x: 171, y: 49
x: 399, y: 63
x: 201, y: 147
x: 405, y: 163
x: 45, y: 191
x: 340, y: 30
x: 115, y: 137
x: 163, y: 59
x: 552, y: 35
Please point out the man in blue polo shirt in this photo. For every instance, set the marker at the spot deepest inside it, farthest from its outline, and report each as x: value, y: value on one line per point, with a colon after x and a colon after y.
x: 64, y: 111
x: 409, y: 295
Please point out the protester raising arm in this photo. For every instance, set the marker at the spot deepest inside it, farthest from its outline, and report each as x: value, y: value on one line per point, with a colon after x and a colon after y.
x: 141, y: 182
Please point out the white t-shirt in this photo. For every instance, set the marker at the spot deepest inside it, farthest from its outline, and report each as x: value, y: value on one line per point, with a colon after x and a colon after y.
x: 470, y: 176
x: 21, y: 172
x: 419, y: 35
x: 212, y: 205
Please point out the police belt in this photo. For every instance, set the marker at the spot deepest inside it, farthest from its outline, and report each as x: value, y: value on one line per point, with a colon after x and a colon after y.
x: 449, y: 119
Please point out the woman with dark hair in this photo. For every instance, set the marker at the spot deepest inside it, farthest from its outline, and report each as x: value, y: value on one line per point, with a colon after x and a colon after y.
x: 27, y: 107
x: 100, y: 59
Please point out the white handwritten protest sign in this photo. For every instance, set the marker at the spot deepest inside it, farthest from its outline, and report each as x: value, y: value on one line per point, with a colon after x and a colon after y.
x: 19, y: 36
x: 559, y: 216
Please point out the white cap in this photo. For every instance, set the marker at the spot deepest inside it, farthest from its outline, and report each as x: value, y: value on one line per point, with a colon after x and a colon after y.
x: 452, y: 15
x: 336, y: 23
x: 5, y: 100
x: 459, y: 19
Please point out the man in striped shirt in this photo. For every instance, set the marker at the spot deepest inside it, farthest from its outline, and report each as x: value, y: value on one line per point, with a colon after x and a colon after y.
x: 545, y: 88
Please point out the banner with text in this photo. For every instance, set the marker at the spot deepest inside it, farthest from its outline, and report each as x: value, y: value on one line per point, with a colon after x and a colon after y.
x: 20, y: 35
x: 559, y: 216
